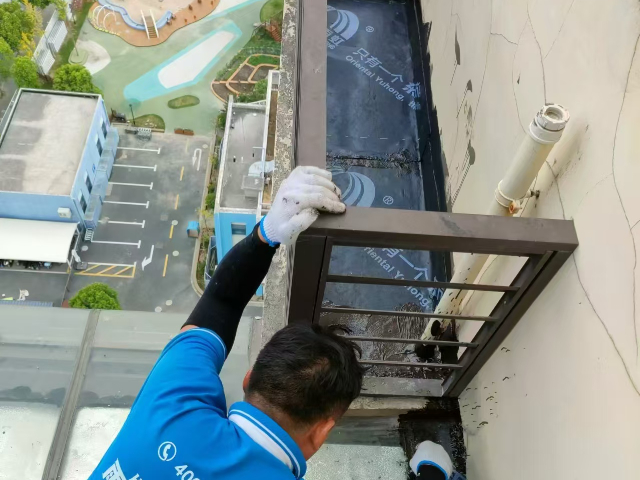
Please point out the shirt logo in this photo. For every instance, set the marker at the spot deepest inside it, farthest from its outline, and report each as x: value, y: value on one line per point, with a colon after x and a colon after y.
x: 167, y: 451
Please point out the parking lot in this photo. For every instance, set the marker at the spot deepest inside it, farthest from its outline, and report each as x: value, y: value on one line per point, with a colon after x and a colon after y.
x: 141, y: 247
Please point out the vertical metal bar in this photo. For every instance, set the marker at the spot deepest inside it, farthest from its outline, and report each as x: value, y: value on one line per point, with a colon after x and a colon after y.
x: 533, y: 277
x: 305, y: 278
x: 67, y: 413
x: 311, y: 142
x: 324, y: 273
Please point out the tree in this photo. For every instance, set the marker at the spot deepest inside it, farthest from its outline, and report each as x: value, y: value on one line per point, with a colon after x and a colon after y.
x: 61, y: 7
x: 74, y: 78
x: 27, y: 38
x: 96, y: 296
x: 25, y: 73
x: 6, y: 59
x: 14, y: 21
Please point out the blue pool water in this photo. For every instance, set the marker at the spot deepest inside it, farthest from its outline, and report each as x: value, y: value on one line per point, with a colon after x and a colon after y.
x: 148, y: 86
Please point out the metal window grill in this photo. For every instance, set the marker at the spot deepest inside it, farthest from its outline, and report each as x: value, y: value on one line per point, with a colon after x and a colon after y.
x: 545, y: 243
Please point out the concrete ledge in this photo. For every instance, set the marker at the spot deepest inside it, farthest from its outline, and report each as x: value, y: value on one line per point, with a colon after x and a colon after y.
x: 384, y: 406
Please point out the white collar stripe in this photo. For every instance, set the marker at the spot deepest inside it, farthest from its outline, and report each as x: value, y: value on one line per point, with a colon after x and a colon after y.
x: 274, y: 437
x: 261, y: 438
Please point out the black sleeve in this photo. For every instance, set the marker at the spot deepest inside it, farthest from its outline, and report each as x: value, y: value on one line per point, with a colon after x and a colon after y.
x: 233, y: 284
x: 430, y: 472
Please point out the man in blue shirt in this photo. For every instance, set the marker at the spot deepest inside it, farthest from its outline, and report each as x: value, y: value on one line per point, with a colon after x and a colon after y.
x: 303, y: 380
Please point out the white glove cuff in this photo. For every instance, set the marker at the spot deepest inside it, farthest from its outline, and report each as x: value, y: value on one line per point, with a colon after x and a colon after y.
x: 268, y: 232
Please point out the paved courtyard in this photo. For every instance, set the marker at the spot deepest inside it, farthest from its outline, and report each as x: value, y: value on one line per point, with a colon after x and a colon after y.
x: 155, y: 189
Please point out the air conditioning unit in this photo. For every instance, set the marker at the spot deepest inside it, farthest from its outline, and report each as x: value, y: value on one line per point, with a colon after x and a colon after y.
x: 64, y: 212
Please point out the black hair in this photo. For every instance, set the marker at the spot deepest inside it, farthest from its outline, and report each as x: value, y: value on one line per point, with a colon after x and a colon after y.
x: 308, y: 373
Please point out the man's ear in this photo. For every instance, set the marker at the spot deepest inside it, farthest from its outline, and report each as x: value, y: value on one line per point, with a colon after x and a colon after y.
x: 320, y: 432
x: 245, y: 382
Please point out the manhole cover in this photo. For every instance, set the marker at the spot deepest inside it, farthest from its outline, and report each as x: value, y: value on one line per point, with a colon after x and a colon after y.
x: 176, y: 253
x: 174, y: 222
x: 169, y: 303
x: 158, y: 309
x: 84, y: 248
x: 164, y: 217
x: 205, y: 146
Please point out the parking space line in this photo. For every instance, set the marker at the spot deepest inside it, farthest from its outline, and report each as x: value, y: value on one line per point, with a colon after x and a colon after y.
x: 127, y: 203
x: 118, y: 243
x: 141, y: 149
x: 97, y: 269
x: 136, y: 166
x: 150, y: 185
x: 127, y: 223
x: 181, y: 173
x: 177, y: 198
x: 166, y: 260
x: 171, y: 231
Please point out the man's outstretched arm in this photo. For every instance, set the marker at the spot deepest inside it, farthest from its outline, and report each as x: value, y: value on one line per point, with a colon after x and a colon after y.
x: 233, y: 284
x: 305, y: 192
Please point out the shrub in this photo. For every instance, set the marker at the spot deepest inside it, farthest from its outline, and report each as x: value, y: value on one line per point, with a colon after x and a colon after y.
x: 96, y: 296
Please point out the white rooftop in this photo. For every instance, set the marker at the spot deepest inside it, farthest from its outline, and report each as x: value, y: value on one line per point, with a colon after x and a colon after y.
x: 42, y: 148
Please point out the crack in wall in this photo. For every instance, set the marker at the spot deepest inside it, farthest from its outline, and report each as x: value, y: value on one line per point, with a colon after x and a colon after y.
x: 501, y: 35
x: 544, y: 80
x: 624, y: 210
x: 559, y: 30
x: 586, y: 294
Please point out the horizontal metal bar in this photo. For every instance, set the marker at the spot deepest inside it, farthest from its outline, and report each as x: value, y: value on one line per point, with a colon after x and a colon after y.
x: 441, y: 366
x: 365, y: 311
x: 442, y: 343
x: 417, y: 283
x: 452, y: 232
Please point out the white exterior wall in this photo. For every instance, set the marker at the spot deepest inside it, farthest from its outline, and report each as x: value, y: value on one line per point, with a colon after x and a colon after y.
x: 562, y: 399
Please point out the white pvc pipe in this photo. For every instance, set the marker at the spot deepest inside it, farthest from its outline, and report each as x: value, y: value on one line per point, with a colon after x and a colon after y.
x: 544, y: 131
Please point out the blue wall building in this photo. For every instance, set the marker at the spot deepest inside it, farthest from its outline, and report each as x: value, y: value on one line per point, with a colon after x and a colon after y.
x: 245, y: 164
x: 56, y: 154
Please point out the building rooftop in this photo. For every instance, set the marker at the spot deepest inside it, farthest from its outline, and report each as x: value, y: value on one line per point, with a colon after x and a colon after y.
x: 43, y: 144
x: 242, y: 149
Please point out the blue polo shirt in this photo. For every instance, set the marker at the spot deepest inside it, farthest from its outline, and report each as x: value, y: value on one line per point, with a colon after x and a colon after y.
x: 179, y: 427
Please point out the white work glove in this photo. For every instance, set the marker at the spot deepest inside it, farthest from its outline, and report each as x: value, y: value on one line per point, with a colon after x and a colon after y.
x: 429, y: 453
x: 306, y: 191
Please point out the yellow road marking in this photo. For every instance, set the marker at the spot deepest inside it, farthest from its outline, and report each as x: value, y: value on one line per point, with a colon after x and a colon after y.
x: 171, y: 232
x: 177, y: 198
x: 127, y: 272
x: 91, y: 268
x: 181, y: 173
x: 166, y: 260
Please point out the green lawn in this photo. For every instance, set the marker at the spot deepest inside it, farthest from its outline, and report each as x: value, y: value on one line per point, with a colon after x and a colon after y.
x: 150, y: 121
x: 67, y: 47
x: 183, y: 101
x: 260, y: 59
x: 272, y: 9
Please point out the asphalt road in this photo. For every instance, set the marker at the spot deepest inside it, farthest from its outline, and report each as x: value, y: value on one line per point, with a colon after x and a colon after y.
x: 155, y: 189
x: 42, y: 286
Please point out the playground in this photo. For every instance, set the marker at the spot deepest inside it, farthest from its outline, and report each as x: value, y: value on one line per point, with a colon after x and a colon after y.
x: 139, y: 81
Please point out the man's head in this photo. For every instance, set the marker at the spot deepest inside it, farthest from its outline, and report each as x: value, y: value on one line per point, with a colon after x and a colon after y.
x: 305, y: 378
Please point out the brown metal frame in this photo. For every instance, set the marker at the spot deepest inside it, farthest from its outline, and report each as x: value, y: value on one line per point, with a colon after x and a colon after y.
x: 546, y: 243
